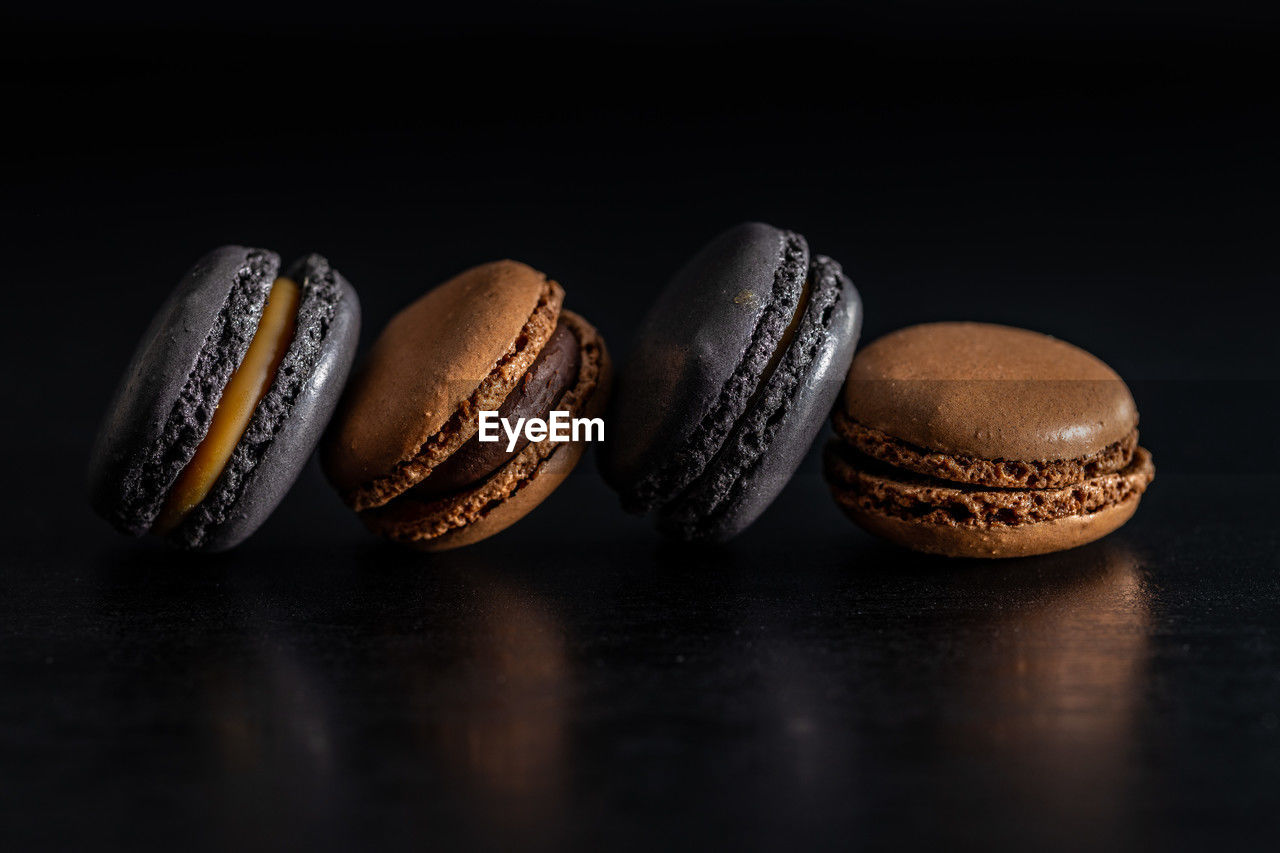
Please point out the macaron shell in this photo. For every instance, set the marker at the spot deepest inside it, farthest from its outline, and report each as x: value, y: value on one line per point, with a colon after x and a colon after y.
x: 333, y: 337
x: 162, y: 407
x: 989, y: 391
x: 546, y: 478
x: 425, y: 367
x: 770, y: 441
x: 1022, y: 540
x: 701, y: 350
x: 518, y: 486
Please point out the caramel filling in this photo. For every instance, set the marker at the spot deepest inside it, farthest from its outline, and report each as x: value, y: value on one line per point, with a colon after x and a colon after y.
x: 246, y: 388
x: 789, y: 334
x: 784, y: 343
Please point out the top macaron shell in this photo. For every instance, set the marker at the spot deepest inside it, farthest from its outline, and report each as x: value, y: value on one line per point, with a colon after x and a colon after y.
x: 164, y: 404
x: 989, y: 391
x: 711, y: 419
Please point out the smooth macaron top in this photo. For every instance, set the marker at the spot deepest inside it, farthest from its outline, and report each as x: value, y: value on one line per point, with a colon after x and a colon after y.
x: 700, y: 353
x: 475, y: 334
x: 989, y: 391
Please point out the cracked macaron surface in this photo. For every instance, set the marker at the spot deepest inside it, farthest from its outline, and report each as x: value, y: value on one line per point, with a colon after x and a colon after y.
x: 734, y: 371
x: 979, y: 440
x: 185, y: 399
x: 402, y: 449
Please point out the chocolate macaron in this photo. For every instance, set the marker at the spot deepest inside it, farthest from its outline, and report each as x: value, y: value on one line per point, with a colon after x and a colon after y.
x: 225, y: 399
x: 403, y: 450
x: 978, y: 440
x: 734, y: 373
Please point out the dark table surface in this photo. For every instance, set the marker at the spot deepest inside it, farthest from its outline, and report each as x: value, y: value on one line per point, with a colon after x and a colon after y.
x: 576, y: 680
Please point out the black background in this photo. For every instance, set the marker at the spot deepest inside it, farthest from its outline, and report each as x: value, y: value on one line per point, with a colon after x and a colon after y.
x: 1103, y: 172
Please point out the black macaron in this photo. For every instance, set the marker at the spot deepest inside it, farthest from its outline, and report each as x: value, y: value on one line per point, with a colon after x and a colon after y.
x: 162, y: 410
x: 734, y: 372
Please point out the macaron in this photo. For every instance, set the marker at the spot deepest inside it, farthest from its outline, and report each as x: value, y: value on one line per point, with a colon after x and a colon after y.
x: 403, y: 449
x: 225, y: 398
x: 734, y: 372
x: 979, y: 440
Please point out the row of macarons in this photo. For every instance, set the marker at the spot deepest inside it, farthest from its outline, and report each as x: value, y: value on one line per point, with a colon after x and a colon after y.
x: 963, y: 439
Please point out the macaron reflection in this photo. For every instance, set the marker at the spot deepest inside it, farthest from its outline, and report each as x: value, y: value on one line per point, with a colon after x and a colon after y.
x: 1049, y: 692
x: 222, y: 697
x: 495, y: 717
x: 285, y: 725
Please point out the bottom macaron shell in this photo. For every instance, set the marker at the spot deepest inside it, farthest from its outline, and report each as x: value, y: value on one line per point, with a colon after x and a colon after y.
x: 1023, y: 540
x: 531, y: 491
x: 519, y: 486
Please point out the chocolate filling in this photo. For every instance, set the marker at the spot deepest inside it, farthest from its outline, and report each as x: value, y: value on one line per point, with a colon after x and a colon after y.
x: 552, y: 373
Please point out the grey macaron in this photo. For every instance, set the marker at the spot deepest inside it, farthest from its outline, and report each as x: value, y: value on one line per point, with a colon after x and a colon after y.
x: 734, y: 372
x: 162, y: 410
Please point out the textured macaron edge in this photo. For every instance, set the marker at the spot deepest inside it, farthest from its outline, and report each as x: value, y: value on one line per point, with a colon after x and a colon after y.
x: 464, y: 422
x: 518, y: 486
x: 736, y: 488
x: 682, y: 465
x: 998, y: 542
x: 131, y: 476
x: 225, y: 518
x: 961, y: 468
x: 874, y: 488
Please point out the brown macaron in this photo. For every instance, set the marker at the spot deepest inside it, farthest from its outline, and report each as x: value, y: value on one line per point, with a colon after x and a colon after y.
x: 978, y: 440
x: 403, y: 450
